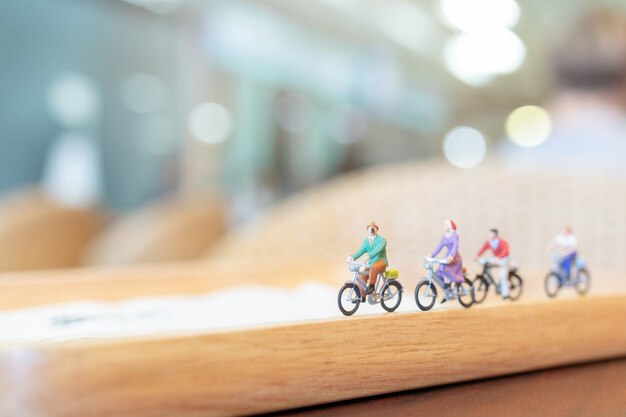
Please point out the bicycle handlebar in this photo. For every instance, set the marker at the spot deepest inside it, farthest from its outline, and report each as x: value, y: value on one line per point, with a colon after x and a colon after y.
x: 483, y: 261
x: 357, y: 266
x: 436, y: 260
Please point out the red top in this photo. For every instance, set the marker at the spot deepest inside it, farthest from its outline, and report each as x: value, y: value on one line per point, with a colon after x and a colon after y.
x: 501, y: 251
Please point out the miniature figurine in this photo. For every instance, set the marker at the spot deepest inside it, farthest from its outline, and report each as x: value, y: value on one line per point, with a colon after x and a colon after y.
x: 375, y: 247
x: 500, y: 249
x: 564, y: 247
x: 510, y: 285
x: 371, y: 278
x: 450, y: 270
x: 563, y: 250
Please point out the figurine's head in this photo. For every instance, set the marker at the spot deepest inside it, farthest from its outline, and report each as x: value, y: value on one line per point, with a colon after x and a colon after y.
x: 567, y: 230
x: 449, y: 226
x: 372, y: 228
x: 493, y: 234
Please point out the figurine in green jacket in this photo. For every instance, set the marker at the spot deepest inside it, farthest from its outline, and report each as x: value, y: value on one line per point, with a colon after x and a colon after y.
x: 375, y: 247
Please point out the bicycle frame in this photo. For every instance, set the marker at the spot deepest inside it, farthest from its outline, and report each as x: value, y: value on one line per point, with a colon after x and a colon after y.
x: 433, y: 276
x: 487, y: 274
x: 567, y: 281
x: 356, y: 268
x: 487, y: 271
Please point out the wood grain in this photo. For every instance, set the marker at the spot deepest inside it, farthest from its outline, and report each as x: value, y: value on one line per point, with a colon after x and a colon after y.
x: 276, y: 368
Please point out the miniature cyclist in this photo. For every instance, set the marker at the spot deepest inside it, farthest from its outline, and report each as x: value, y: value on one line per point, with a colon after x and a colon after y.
x: 375, y: 247
x: 565, y: 246
x: 500, y: 249
x: 453, y: 270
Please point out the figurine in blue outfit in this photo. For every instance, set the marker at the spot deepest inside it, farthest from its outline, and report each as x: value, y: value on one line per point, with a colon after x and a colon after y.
x: 564, y: 248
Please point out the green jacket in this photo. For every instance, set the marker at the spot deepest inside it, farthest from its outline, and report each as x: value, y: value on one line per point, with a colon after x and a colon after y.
x: 377, y: 250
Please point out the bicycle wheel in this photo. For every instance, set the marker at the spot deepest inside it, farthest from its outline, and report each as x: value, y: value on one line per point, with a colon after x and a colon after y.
x: 425, y: 295
x: 552, y: 284
x: 481, y: 286
x: 349, y: 298
x: 582, y: 281
x: 465, y: 293
x: 516, y: 285
x: 391, y: 296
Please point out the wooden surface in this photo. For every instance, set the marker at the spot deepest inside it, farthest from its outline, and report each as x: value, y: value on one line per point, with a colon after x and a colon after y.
x: 594, y: 389
x: 30, y: 289
x: 278, y: 368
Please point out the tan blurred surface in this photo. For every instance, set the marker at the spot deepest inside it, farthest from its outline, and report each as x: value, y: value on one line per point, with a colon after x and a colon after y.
x: 36, y: 233
x: 30, y: 289
x: 171, y: 230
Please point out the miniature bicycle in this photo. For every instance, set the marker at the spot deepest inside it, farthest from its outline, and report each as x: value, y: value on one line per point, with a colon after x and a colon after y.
x: 387, y: 291
x: 426, y: 290
x: 579, y: 278
x: 483, y: 281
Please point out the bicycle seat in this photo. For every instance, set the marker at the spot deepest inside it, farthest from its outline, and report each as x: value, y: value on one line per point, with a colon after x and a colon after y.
x: 391, y: 274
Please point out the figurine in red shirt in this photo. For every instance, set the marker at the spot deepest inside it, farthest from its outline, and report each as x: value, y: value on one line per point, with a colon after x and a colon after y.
x: 500, y: 249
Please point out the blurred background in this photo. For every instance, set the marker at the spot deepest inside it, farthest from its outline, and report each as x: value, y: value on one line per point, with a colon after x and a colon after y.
x: 163, y: 130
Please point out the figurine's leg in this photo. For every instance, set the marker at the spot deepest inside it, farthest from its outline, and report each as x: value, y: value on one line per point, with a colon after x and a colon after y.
x: 440, y: 274
x: 445, y: 283
x: 504, y: 277
x: 376, y: 268
x: 566, y: 264
x: 362, y: 279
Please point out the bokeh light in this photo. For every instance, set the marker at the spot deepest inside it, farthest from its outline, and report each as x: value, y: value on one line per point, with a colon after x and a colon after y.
x: 475, y: 58
x: 480, y: 15
x: 528, y: 126
x: 72, y: 171
x: 210, y: 123
x: 73, y: 100
x: 464, y: 147
x: 144, y: 93
x: 294, y: 112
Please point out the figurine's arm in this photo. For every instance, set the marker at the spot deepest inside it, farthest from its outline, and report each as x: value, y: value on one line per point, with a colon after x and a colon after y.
x: 505, y: 244
x: 361, y: 251
x: 483, y: 248
x: 455, y: 246
x: 437, y: 249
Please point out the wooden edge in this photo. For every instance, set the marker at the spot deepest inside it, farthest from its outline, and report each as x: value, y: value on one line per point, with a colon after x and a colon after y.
x: 282, y: 367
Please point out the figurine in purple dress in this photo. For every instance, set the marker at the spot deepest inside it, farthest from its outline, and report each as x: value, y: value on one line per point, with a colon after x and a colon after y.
x: 453, y: 270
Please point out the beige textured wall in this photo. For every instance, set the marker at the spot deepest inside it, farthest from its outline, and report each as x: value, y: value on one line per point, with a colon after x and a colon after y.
x: 410, y: 201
